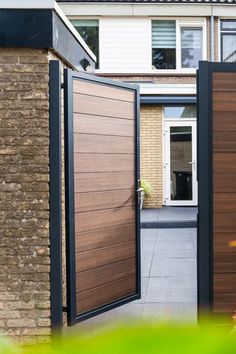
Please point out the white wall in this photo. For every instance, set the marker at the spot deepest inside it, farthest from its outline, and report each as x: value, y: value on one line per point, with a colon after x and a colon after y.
x: 125, y: 45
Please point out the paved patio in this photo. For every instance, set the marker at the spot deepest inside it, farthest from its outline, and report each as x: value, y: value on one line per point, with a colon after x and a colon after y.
x: 169, y: 214
x: 169, y: 277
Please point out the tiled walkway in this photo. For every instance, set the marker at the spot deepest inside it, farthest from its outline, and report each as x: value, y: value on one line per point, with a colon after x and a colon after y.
x: 169, y: 214
x: 169, y: 278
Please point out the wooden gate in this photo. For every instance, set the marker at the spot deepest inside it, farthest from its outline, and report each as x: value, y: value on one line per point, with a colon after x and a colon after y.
x: 217, y: 187
x: 102, y: 213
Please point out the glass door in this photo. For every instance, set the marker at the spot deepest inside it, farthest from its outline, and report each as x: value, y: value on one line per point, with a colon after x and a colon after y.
x: 180, y: 177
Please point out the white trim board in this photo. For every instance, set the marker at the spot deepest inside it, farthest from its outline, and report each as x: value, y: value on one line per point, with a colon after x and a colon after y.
x: 167, y: 89
x: 176, y: 9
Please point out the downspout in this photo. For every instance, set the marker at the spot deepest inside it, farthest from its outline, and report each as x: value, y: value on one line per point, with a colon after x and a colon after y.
x: 212, y: 40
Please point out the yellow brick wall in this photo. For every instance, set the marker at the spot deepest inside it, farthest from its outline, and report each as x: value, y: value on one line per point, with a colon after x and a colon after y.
x: 152, y: 152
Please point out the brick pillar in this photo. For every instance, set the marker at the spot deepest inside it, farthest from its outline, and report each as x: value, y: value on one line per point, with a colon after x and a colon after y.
x: 24, y: 194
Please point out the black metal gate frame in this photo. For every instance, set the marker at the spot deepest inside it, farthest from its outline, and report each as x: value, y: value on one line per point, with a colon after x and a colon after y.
x: 69, y: 76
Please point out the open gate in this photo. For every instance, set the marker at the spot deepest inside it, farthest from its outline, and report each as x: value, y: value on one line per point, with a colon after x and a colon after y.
x: 102, y: 213
x: 217, y: 187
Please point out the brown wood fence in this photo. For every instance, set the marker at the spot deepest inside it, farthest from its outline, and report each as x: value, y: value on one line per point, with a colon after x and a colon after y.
x: 217, y: 187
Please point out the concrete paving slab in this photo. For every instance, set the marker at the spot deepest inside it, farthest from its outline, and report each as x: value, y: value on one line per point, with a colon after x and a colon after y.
x: 171, y: 289
x: 146, y: 263
x: 180, y: 312
x: 149, y: 215
x: 173, y: 267
x: 175, y: 254
x: 174, y: 245
x: 170, y: 234
x: 148, y: 233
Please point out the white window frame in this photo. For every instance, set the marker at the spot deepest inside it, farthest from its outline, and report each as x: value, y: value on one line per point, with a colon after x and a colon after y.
x: 220, y: 34
x: 184, y: 23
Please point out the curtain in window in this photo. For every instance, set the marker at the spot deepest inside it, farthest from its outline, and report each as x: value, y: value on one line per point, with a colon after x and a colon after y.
x: 163, y: 34
x: 229, y: 47
x: 163, y: 44
x: 191, y: 47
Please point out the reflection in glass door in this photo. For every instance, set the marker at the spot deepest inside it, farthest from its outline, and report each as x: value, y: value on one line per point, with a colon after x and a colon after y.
x: 180, y: 163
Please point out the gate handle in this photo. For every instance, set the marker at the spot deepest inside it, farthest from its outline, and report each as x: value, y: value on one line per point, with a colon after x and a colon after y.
x: 139, y: 191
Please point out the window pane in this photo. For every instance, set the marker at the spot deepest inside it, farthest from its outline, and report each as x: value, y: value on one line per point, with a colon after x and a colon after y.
x: 188, y: 111
x: 181, y: 163
x: 191, y: 47
x: 89, y: 31
x: 228, y: 25
x: 164, y: 44
x: 229, y: 47
x: 164, y: 58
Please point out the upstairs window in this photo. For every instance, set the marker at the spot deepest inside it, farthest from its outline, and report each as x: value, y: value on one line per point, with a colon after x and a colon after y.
x: 177, y: 44
x: 164, y: 44
x: 228, y: 41
x: 89, y: 31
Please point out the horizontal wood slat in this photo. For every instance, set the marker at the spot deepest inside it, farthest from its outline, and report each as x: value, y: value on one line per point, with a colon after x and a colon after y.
x: 89, y: 124
x: 105, y: 274
x: 222, y: 242
x: 224, y: 101
x: 104, y: 200
x: 225, y: 283
x: 86, y: 241
x: 103, y: 181
x: 100, y: 90
x: 224, y: 182
x: 96, y: 220
x: 224, y: 141
x: 226, y: 123
x: 224, y: 81
x: 224, y: 222
x: 100, y: 106
x: 225, y: 263
x: 224, y: 162
x: 103, y: 163
x: 103, y: 295
x: 88, y: 143
x: 225, y: 303
x: 107, y: 255
x: 224, y: 202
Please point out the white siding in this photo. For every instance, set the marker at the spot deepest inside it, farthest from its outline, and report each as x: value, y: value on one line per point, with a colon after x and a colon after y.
x: 125, y: 45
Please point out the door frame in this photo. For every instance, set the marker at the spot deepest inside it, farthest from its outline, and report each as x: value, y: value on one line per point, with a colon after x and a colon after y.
x: 166, y: 163
x: 69, y: 76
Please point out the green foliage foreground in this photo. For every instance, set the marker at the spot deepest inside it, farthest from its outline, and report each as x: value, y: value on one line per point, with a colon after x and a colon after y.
x: 147, y: 338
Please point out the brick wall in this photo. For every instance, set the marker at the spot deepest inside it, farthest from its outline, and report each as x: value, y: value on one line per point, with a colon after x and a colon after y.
x: 24, y: 194
x: 216, y: 39
x: 216, y: 31
x: 156, y: 79
x: 151, y: 152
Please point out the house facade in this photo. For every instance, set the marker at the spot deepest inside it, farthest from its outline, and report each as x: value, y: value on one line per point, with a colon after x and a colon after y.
x: 158, y: 44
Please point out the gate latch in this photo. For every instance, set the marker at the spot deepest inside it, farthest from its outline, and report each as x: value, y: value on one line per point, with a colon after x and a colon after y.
x: 139, y: 191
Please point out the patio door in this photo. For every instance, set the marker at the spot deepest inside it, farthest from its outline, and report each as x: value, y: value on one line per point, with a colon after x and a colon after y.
x: 102, y: 197
x: 180, y: 163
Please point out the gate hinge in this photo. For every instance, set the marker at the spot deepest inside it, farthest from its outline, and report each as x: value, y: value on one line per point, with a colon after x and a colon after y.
x: 64, y: 308
x: 62, y: 86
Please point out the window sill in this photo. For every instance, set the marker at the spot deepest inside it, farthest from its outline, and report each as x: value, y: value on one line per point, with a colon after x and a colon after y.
x: 166, y: 73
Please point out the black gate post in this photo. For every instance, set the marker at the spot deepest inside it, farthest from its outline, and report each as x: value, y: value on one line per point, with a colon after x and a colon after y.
x: 55, y: 195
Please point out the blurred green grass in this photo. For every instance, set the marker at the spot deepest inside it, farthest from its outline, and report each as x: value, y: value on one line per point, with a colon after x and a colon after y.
x: 143, y: 338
